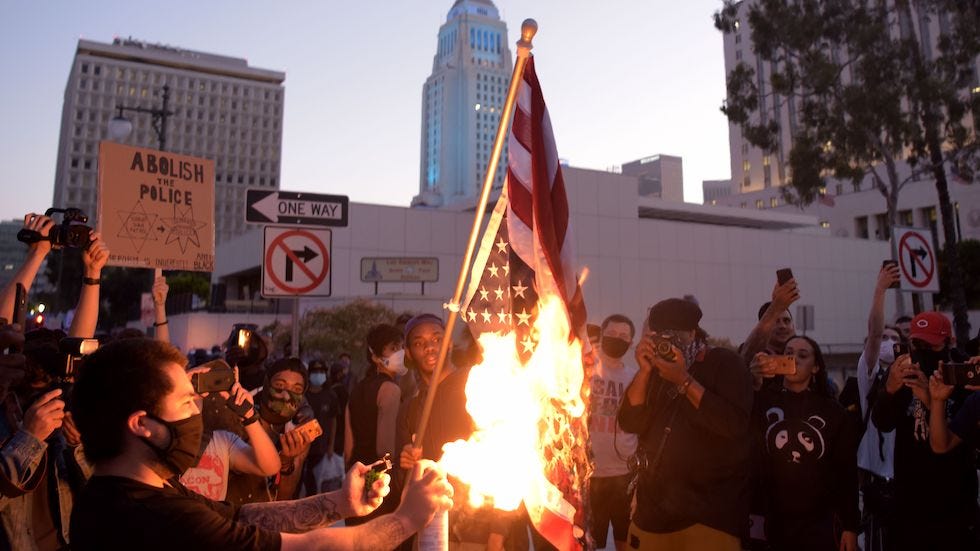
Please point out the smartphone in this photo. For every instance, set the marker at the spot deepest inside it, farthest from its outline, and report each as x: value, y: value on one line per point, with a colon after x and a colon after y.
x: 243, y: 336
x: 220, y: 378
x: 310, y: 428
x: 961, y: 374
x: 887, y: 263
x: 20, y: 306
x: 785, y: 365
x: 784, y: 275
x: 900, y: 349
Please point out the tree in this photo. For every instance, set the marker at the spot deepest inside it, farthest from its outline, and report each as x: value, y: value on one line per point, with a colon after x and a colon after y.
x: 869, y: 101
x: 968, y: 252
x: 329, y: 331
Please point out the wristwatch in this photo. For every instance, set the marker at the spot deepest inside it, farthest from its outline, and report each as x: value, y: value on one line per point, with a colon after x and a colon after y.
x: 682, y: 388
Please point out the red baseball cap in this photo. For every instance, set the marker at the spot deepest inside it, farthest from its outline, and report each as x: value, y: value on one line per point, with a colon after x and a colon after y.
x: 931, y: 327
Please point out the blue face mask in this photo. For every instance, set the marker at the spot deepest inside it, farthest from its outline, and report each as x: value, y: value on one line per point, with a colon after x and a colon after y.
x: 318, y: 378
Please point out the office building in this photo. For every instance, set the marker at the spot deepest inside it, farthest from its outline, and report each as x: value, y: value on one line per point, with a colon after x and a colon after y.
x: 221, y: 109
x: 847, y: 209
x: 660, y: 176
x: 461, y: 104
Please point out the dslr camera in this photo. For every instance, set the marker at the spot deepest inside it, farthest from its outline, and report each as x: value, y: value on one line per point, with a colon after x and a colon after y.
x: 663, y: 346
x: 71, y: 232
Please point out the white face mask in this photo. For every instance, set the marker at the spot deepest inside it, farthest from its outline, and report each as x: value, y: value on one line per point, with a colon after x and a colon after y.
x: 886, y: 353
x: 395, y: 364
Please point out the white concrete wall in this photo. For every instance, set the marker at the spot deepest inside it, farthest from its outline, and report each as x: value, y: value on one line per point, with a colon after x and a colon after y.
x: 633, y: 262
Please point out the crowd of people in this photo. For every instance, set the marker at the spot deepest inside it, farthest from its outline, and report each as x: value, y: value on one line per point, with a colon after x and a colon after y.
x: 694, y: 446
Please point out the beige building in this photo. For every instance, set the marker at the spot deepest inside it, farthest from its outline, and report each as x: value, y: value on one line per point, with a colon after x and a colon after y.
x: 850, y: 210
x: 222, y: 109
x: 660, y: 176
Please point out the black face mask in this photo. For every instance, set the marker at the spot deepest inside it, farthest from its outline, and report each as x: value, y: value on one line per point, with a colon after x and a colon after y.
x: 929, y: 359
x: 614, y: 347
x: 184, y: 450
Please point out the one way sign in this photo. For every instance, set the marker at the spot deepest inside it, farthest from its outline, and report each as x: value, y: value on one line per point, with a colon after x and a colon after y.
x: 289, y: 207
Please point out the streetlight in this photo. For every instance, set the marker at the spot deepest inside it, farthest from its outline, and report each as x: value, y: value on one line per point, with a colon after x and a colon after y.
x: 120, y: 127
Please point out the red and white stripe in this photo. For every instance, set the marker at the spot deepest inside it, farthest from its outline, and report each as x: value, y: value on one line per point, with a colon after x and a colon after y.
x: 540, y: 233
x: 538, y: 218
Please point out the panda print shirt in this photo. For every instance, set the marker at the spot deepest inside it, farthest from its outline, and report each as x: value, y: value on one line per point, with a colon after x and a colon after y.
x: 806, y: 463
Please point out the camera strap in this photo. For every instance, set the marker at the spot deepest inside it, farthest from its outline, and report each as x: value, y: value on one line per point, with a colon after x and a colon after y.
x: 9, y: 489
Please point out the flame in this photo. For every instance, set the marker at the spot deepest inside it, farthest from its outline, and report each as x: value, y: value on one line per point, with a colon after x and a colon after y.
x: 529, y: 419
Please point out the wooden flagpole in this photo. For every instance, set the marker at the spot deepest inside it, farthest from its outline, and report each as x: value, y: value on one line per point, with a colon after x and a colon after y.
x: 528, y: 29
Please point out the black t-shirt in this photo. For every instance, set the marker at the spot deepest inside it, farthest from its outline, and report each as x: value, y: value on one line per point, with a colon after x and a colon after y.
x: 703, y: 471
x: 120, y: 513
x: 966, y: 423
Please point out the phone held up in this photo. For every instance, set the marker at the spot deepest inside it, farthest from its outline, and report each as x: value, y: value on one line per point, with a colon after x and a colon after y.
x: 961, y: 374
x: 887, y: 263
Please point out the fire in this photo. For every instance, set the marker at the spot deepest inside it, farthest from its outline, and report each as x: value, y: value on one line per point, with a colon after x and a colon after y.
x: 529, y: 418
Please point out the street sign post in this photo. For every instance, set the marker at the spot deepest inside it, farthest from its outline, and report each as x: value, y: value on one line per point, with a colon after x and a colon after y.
x: 917, y: 260
x: 264, y: 206
x: 296, y: 262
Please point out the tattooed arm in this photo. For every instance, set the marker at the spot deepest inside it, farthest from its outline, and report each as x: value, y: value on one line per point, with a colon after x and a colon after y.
x: 385, y: 532
x: 296, y: 516
x: 424, y: 495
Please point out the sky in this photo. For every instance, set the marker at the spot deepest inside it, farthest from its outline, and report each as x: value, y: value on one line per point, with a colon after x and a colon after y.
x: 623, y: 79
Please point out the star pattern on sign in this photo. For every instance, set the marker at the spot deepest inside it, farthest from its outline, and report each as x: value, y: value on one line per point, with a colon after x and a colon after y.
x: 506, y: 268
x: 138, y: 226
x: 472, y: 315
x: 519, y: 289
x: 486, y: 316
x: 493, y: 269
x: 484, y: 294
x: 183, y: 229
x: 502, y: 316
x: 499, y: 292
x: 502, y: 246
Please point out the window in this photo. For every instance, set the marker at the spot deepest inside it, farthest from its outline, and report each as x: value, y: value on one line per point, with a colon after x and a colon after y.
x: 857, y: 186
x: 839, y: 189
x: 861, y: 227
x: 824, y: 224
x: 759, y: 204
x: 84, y: 67
x: 743, y: 205
x: 905, y: 217
x: 773, y: 202
x: 746, y: 166
x: 738, y: 55
x: 882, y: 232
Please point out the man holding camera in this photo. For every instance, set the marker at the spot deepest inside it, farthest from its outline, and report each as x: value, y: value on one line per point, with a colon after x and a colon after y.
x: 690, y: 405
x: 149, y: 433
x: 935, y: 494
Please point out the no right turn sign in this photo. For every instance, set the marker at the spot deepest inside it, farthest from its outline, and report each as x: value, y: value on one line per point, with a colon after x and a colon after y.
x: 917, y: 260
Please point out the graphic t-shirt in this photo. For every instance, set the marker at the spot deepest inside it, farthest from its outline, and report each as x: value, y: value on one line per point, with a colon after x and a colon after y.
x: 611, y: 446
x: 210, y: 477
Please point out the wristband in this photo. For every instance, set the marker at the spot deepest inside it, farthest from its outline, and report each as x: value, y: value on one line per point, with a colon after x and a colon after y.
x: 246, y: 421
x: 91, y: 281
x: 160, y: 323
x: 287, y: 470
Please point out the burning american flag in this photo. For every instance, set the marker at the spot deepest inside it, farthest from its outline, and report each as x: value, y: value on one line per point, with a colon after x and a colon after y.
x: 525, y: 305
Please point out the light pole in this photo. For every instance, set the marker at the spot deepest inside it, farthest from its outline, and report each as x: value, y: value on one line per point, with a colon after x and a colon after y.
x: 120, y: 127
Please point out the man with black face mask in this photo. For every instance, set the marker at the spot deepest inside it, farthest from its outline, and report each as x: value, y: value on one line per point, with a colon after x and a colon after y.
x: 690, y: 406
x: 140, y: 426
x: 935, y: 494
x: 611, y: 447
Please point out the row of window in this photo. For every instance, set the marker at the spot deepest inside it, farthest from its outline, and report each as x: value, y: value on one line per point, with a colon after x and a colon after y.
x: 130, y: 75
x: 485, y: 40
